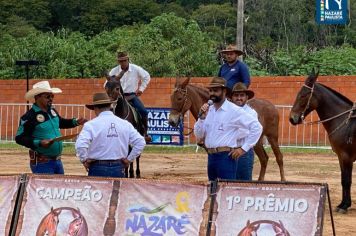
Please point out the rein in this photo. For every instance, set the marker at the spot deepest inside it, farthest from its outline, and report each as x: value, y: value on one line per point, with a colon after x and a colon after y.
x: 350, y: 111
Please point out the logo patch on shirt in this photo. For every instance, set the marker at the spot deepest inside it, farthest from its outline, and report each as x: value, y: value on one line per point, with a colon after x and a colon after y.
x: 40, y: 118
x: 221, y: 127
x: 233, y: 69
x: 53, y: 112
x: 112, y: 133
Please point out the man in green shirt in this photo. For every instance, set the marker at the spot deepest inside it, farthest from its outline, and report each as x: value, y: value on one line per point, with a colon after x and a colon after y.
x: 39, y: 126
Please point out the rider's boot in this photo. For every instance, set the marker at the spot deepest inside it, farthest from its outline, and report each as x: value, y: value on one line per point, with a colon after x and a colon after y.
x: 145, y: 128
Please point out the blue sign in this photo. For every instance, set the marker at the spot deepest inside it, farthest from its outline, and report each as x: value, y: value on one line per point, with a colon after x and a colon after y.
x: 331, y: 11
x: 159, y: 129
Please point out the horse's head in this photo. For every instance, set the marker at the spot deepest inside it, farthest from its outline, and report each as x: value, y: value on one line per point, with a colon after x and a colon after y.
x: 280, y: 230
x: 180, y: 102
x: 48, y: 225
x: 76, y: 224
x: 305, y: 102
x: 250, y: 229
x: 113, y: 87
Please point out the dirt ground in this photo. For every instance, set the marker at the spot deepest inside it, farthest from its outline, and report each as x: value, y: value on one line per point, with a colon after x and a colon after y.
x: 321, y: 168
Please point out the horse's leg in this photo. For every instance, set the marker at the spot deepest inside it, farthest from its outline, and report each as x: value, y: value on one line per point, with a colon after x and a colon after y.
x: 273, y: 141
x: 131, y: 168
x: 346, y: 180
x: 126, y: 172
x: 138, y: 172
x: 263, y: 157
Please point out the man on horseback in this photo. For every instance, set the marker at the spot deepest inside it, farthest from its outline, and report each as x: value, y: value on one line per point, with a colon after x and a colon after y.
x: 220, y: 125
x: 234, y: 70
x: 240, y: 95
x: 130, y: 75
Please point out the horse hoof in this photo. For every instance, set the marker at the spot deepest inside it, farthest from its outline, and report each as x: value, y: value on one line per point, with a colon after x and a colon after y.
x: 340, y: 210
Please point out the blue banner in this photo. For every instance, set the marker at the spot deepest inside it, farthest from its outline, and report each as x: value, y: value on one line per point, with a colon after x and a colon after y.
x: 331, y: 11
x: 159, y: 129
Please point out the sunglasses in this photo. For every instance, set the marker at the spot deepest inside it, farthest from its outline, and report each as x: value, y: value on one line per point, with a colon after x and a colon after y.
x: 48, y: 96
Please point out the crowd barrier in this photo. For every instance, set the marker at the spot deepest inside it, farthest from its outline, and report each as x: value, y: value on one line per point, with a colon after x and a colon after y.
x: 80, y: 205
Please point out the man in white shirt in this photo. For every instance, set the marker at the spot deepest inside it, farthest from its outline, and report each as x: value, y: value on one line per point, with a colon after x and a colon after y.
x: 103, y: 144
x: 219, y: 124
x: 134, y: 80
x: 240, y: 96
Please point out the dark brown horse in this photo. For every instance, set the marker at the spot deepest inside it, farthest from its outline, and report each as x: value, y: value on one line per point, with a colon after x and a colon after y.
x: 337, y: 114
x: 124, y: 110
x: 189, y: 97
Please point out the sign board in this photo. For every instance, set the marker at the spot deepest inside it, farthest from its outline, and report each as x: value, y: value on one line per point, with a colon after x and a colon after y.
x: 331, y: 11
x: 158, y: 208
x: 269, y: 209
x: 8, y: 192
x: 159, y: 129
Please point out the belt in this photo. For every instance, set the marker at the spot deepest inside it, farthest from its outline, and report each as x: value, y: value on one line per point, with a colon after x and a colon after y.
x: 36, y: 158
x: 106, y: 161
x: 219, y: 149
x: 128, y: 94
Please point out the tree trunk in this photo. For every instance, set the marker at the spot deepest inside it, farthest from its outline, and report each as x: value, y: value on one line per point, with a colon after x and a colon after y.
x: 240, y: 25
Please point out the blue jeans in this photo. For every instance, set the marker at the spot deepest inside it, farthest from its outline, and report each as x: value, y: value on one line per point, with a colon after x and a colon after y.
x: 50, y: 167
x: 245, y: 166
x: 109, y: 169
x: 222, y: 166
x: 136, y: 103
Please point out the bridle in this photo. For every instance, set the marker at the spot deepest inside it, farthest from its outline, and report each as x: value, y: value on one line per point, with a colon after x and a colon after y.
x: 302, y: 116
x: 185, y: 97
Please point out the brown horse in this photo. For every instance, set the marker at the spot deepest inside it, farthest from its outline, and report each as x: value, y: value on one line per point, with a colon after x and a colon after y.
x: 48, y: 225
x: 77, y: 226
x: 189, y: 97
x: 337, y: 113
x: 125, y: 111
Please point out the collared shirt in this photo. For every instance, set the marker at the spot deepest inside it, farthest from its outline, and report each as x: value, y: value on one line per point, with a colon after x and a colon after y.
x: 243, y: 133
x: 237, y: 72
x: 131, y: 78
x: 221, y: 126
x: 107, y: 137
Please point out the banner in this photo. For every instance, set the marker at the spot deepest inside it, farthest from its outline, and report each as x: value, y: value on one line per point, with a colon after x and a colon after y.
x: 159, y: 208
x: 331, y: 11
x: 159, y: 129
x: 67, y: 205
x: 8, y: 192
x: 269, y: 209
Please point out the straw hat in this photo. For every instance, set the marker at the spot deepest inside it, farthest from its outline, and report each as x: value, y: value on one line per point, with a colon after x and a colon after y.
x: 232, y: 48
x: 241, y: 88
x: 122, y: 56
x: 99, y: 99
x: 217, y: 82
x: 41, y: 87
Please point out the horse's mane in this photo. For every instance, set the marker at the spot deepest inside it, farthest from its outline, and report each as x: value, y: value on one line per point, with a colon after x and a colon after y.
x: 339, y: 95
x: 201, y: 91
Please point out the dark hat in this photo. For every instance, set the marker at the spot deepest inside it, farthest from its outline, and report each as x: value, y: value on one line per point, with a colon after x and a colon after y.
x: 232, y: 48
x: 241, y: 88
x: 217, y: 82
x: 99, y: 99
x: 122, y: 56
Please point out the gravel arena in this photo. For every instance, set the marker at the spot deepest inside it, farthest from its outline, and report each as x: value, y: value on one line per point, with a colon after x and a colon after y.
x: 311, y: 166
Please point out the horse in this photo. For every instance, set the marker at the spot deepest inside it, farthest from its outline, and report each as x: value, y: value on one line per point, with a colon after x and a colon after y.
x: 337, y: 114
x: 77, y: 226
x: 125, y: 111
x: 49, y: 223
x: 264, y: 227
x: 186, y: 97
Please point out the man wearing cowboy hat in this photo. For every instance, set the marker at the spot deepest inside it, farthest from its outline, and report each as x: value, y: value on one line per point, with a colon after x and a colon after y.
x: 39, y: 126
x: 234, y: 70
x: 219, y: 125
x: 103, y: 144
x: 240, y: 96
x: 130, y: 75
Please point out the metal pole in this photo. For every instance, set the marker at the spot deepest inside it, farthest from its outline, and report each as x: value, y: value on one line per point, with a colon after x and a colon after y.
x: 240, y: 25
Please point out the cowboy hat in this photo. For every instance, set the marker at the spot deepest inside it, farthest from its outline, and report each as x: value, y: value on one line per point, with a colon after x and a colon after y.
x: 217, y: 82
x: 99, y: 99
x: 122, y: 56
x: 232, y: 48
x: 41, y: 87
x: 241, y: 88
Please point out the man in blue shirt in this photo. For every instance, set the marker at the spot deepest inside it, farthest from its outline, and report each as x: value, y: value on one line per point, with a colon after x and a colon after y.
x: 234, y: 70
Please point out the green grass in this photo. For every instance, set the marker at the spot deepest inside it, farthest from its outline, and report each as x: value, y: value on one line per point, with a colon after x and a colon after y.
x: 69, y: 149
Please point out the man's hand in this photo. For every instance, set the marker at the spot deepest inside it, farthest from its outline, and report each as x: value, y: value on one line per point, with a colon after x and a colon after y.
x: 138, y: 93
x: 204, y: 111
x: 86, y: 164
x: 125, y: 162
x: 236, y: 153
x: 81, y: 121
x: 46, y: 143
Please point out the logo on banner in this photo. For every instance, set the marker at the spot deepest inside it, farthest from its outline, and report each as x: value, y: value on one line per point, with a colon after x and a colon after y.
x: 165, y: 219
x: 331, y: 11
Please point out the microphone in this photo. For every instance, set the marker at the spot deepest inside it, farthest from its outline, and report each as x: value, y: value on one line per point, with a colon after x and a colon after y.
x: 210, y: 102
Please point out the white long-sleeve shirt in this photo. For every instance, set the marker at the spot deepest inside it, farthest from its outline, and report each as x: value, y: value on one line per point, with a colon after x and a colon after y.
x: 107, y: 137
x: 243, y: 133
x: 132, y: 77
x: 221, y: 127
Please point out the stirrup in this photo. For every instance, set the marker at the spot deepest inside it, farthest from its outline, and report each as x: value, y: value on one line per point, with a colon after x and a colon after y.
x: 148, y: 138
